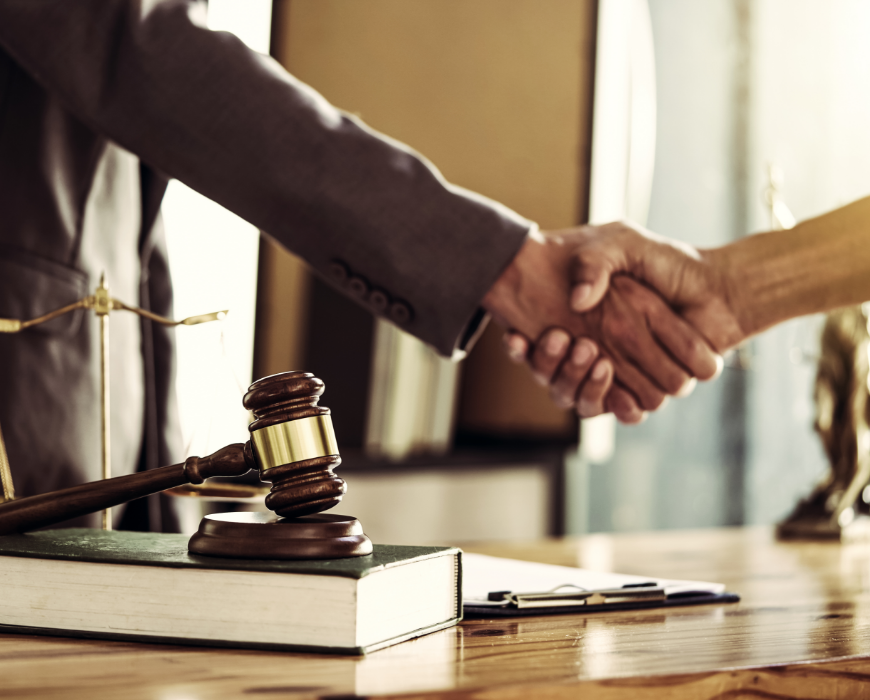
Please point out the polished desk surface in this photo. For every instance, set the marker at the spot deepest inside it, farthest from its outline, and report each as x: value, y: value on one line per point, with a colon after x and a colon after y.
x: 802, y: 630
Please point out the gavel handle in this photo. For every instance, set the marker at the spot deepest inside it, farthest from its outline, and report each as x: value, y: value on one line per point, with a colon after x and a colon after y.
x: 47, y: 509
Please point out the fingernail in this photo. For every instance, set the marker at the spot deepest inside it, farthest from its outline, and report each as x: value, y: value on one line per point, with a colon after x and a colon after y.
x: 585, y: 408
x: 557, y: 343
x: 688, y: 387
x: 580, y: 294
x: 583, y: 353
x: 516, y: 348
x: 600, y: 372
x: 630, y: 415
x: 540, y: 379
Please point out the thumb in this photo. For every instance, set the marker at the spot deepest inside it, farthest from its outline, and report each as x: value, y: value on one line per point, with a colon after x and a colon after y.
x: 590, y: 279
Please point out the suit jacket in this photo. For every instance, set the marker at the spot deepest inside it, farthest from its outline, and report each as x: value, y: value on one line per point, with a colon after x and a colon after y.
x: 101, y: 101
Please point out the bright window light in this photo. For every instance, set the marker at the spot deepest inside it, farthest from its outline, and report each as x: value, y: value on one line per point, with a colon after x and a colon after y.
x: 213, y: 263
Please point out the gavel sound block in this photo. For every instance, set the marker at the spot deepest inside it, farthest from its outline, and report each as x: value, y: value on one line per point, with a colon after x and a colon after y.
x: 292, y: 445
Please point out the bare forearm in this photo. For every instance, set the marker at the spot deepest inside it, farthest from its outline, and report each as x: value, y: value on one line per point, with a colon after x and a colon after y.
x: 821, y: 264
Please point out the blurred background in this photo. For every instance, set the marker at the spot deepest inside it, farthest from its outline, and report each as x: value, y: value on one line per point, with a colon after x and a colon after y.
x: 673, y: 113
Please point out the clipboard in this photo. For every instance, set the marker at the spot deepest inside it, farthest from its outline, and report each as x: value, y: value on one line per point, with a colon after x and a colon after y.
x: 496, y: 587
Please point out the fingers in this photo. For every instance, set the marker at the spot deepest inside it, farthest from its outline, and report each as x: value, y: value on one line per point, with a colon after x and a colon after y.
x: 655, y: 371
x: 579, y: 376
x: 576, y: 378
x: 624, y: 407
x: 687, y: 346
x: 597, y: 394
x: 567, y: 371
x: 649, y: 396
x: 590, y: 403
x: 573, y: 372
x: 688, y: 388
x: 548, y: 355
x: 516, y: 345
x: 601, y: 252
x: 590, y: 279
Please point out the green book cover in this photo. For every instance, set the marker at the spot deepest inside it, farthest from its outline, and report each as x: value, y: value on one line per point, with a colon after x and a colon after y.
x: 156, y: 549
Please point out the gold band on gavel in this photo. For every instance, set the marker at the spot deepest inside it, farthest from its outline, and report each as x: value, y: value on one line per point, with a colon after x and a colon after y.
x: 294, y: 441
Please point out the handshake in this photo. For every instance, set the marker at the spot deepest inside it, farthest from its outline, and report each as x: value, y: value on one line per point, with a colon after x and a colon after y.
x: 615, y: 319
x: 622, y: 319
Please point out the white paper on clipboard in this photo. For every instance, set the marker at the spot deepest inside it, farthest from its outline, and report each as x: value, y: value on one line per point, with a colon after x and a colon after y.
x: 482, y: 575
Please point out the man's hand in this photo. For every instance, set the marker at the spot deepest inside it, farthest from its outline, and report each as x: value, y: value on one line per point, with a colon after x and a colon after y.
x: 578, y: 376
x: 694, y: 282
x: 587, y: 388
x: 653, y: 352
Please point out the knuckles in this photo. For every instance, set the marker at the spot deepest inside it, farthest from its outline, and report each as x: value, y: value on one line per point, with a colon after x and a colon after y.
x: 625, y: 332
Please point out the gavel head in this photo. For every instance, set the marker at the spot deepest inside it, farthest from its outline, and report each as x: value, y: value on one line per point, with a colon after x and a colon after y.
x: 294, y: 444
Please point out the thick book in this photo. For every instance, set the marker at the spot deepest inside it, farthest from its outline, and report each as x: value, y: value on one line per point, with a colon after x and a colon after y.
x: 147, y: 587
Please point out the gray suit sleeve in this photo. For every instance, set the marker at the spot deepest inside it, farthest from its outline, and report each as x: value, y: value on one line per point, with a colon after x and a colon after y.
x: 235, y: 126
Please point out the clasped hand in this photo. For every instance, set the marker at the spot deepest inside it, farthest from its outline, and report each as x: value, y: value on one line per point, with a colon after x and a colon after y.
x: 606, y: 342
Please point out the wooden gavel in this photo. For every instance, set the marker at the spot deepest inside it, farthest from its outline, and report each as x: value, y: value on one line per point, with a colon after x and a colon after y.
x: 292, y: 444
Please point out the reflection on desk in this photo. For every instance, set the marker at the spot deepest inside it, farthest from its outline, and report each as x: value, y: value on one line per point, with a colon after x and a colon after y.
x: 802, y: 630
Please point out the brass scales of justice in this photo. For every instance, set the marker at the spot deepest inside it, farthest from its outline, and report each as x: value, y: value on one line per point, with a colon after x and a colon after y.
x: 292, y: 445
x: 102, y: 304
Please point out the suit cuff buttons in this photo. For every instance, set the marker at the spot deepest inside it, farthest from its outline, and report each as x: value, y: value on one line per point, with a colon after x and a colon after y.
x: 379, y: 301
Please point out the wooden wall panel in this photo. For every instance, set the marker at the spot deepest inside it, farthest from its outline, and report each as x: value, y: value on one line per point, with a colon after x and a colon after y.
x: 497, y: 93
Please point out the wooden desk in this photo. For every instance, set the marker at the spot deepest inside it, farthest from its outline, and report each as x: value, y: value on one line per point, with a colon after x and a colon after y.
x: 801, y: 631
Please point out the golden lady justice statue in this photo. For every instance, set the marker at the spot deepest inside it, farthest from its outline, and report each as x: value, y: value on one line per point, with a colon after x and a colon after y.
x: 102, y: 304
x: 837, y: 507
